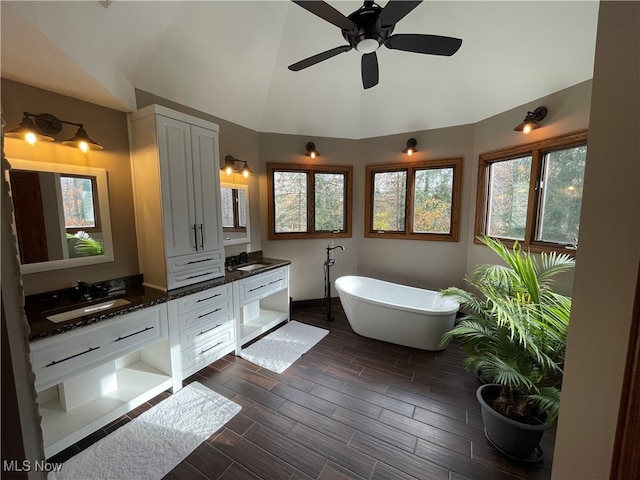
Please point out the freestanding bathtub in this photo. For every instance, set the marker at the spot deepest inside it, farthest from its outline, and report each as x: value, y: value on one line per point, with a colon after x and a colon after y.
x: 396, y: 313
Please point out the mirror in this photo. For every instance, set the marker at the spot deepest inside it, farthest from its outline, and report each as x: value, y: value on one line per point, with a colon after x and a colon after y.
x: 61, y: 214
x: 235, y: 213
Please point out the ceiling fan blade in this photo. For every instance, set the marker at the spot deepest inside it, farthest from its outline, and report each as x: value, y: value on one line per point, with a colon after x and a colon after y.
x: 327, y: 12
x: 320, y: 57
x: 429, y: 44
x: 396, y: 10
x: 369, y: 70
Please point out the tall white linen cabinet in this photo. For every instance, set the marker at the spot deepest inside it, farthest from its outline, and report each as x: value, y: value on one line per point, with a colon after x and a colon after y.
x: 176, y: 176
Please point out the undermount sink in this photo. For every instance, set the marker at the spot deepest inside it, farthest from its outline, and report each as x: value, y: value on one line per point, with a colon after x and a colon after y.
x: 89, y: 309
x: 252, y: 267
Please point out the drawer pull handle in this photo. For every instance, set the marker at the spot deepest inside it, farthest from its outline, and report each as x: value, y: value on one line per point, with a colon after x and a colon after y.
x: 275, y: 281
x: 211, y: 348
x: 209, y: 313
x: 56, y: 362
x: 209, y: 329
x: 199, y: 261
x: 132, y: 334
x: 196, y: 276
x: 257, y: 288
x: 202, y: 236
x: 209, y: 298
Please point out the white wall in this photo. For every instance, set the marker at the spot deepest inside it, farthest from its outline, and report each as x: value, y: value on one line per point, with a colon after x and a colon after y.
x: 607, y: 263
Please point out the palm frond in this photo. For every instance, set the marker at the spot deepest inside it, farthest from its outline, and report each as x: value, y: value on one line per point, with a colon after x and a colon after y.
x: 547, y: 403
x: 515, y: 328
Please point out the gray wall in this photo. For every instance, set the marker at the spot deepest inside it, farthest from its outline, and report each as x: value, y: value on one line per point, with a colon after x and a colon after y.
x: 307, y: 256
x: 432, y: 265
x: 607, y: 266
x: 109, y: 128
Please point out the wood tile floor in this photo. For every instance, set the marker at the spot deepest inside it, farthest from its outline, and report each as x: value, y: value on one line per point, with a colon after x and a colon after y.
x: 351, y: 408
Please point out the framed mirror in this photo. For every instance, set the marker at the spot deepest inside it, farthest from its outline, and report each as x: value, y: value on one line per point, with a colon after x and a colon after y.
x: 235, y: 213
x: 61, y: 214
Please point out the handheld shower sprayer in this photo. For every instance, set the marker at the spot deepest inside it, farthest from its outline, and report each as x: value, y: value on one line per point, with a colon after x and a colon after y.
x: 330, y: 262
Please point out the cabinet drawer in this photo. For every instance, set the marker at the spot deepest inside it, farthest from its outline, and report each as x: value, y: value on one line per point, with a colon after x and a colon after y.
x: 189, y: 277
x: 63, y: 356
x: 195, y: 261
x: 202, y: 334
x: 203, y: 298
x: 213, y: 312
x: 138, y: 330
x: 262, y: 285
x: 205, y: 353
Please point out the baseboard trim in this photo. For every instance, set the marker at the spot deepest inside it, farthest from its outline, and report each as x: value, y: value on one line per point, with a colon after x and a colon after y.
x: 312, y: 303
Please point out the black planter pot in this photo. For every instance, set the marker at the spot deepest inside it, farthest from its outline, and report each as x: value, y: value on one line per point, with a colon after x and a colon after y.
x: 516, y: 440
x: 482, y: 377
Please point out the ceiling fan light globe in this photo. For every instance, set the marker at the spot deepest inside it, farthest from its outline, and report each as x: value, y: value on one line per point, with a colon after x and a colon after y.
x: 367, y: 45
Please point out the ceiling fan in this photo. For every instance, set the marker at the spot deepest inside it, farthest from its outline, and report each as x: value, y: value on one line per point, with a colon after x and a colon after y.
x: 368, y: 28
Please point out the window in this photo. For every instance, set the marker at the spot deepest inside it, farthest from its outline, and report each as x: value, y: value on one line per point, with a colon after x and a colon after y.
x: 418, y: 201
x: 533, y: 193
x: 79, y: 202
x: 234, y: 217
x: 309, y: 201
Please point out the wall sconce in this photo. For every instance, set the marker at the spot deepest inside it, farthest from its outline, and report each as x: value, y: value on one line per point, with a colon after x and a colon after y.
x: 531, y: 121
x: 311, y: 150
x: 410, y: 149
x: 40, y: 127
x: 230, y: 166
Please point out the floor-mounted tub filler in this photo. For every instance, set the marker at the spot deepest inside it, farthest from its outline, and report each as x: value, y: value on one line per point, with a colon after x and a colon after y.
x: 396, y: 313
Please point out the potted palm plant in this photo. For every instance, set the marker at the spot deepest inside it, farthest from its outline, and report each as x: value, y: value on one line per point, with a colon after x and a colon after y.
x: 514, y: 330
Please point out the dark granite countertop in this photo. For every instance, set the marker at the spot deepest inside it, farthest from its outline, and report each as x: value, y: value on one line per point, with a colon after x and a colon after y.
x: 38, y: 307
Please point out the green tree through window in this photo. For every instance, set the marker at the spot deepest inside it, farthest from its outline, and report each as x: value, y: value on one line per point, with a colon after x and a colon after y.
x: 533, y: 193
x: 78, y: 202
x: 418, y: 200
x: 309, y: 201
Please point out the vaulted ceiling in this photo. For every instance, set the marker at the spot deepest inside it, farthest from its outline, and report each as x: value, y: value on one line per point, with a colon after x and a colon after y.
x: 230, y: 58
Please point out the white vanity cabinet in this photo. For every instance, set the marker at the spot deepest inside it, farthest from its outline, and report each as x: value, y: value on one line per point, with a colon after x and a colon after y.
x: 201, y: 330
x: 176, y: 168
x: 262, y: 302
x: 88, y: 377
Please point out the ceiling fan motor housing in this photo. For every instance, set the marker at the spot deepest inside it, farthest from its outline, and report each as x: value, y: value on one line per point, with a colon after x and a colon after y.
x: 368, y: 34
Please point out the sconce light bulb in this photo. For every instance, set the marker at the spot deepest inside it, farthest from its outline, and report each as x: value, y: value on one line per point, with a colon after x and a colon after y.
x: 410, y: 152
x: 84, y: 146
x: 313, y: 154
x: 229, y: 170
x: 245, y: 173
x: 30, y: 137
x: 526, y: 129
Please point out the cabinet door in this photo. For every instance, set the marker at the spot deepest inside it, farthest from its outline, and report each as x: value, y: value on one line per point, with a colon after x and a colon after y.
x: 176, y: 166
x: 206, y: 184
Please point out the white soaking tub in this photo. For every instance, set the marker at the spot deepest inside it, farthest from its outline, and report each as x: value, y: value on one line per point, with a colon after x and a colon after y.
x: 396, y: 313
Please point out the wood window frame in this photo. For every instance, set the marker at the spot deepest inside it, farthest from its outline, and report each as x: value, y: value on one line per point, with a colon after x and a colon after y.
x: 347, y: 171
x: 410, y: 168
x: 236, y: 213
x: 537, y: 151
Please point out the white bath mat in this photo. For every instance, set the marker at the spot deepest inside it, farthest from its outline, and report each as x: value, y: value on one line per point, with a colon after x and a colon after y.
x: 278, y: 350
x: 152, y: 444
